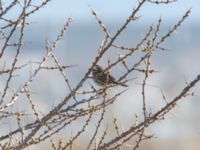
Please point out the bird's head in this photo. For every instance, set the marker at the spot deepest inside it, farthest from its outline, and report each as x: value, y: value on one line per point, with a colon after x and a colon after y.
x: 96, y: 69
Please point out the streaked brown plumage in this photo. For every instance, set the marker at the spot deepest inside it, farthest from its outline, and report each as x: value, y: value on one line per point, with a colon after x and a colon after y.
x: 103, y: 77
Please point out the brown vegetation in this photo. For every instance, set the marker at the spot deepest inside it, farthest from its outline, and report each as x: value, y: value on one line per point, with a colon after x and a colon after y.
x: 81, y: 102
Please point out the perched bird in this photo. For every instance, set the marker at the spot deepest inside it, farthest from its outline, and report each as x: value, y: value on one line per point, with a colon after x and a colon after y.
x: 102, y: 77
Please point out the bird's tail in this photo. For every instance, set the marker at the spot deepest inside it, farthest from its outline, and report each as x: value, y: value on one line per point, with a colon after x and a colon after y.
x: 121, y: 84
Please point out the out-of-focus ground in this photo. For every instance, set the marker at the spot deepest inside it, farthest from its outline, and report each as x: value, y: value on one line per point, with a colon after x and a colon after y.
x: 156, y: 144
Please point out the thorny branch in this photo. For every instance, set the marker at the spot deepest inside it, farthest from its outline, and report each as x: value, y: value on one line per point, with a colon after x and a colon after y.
x: 89, y: 104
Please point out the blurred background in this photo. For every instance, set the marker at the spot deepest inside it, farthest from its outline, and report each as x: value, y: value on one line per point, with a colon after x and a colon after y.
x: 181, y: 129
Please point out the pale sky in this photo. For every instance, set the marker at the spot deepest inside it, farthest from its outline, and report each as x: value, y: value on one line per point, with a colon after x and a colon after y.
x: 115, y: 10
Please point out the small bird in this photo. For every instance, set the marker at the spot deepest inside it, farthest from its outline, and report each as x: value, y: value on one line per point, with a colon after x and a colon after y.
x: 102, y: 77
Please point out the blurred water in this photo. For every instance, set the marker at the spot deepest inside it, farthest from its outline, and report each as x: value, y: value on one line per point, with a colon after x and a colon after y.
x: 82, y: 41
